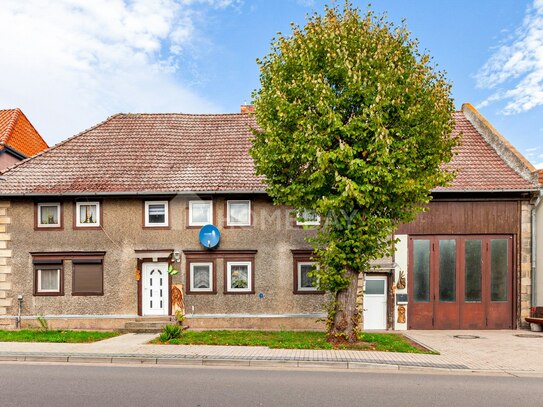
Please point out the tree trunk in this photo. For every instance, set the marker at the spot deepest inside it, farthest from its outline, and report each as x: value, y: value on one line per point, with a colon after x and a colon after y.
x: 346, y: 321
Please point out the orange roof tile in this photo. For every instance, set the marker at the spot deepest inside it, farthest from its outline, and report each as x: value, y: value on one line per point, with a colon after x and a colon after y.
x: 17, y: 132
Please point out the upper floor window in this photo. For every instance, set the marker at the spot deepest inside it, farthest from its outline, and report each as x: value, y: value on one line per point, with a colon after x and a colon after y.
x: 238, y: 213
x: 156, y: 213
x: 200, y: 213
x: 49, y: 215
x: 87, y: 214
x: 307, y: 217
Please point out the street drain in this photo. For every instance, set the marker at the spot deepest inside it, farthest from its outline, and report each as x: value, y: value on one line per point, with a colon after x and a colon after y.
x: 528, y: 336
x: 466, y: 336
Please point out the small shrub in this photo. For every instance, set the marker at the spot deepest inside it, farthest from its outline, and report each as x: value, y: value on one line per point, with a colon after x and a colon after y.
x: 180, y: 317
x: 44, y: 325
x: 169, y: 332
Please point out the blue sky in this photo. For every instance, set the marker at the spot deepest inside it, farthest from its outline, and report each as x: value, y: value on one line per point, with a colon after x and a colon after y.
x: 70, y: 64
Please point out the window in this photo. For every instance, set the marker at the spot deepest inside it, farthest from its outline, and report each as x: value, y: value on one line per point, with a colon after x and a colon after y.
x: 238, y: 213
x: 87, y: 214
x: 156, y: 213
x: 307, y: 217
x: 239, y: 277
x: 200, y: 213
x: 87, y: 277
x: 48, y: 278
x: 201, y: 278
x: 304, y: 281
x: 49, y: 215
x: 304, y: 264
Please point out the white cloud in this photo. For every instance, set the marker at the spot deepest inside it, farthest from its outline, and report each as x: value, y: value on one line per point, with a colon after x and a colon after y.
x: 70, y: 63
x: 515, y: 71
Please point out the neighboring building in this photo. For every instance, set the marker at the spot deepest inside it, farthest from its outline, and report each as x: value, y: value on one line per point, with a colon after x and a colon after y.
x: 538, y: 246
x: 89, y: 228
x: 18, y: 138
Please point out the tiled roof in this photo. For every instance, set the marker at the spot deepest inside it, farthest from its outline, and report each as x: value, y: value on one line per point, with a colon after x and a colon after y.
x: 17, y: 132
x: 169, y: 153
x: 145, y: 153
x: 479, y: 166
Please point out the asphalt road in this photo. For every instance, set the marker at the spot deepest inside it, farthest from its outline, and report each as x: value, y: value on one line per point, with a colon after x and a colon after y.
x: 85, y: 385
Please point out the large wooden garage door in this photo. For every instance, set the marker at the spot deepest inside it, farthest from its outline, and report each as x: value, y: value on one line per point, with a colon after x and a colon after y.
x: 460, y: 282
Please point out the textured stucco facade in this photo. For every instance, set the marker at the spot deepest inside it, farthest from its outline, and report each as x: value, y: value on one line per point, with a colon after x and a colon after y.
x: 123, y: 238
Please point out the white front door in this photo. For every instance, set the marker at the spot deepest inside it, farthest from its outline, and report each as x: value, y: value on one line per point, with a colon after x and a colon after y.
x: 375, y: 302
x: 155, y: 289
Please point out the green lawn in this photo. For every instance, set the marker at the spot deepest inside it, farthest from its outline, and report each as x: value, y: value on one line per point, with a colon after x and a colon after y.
x: 292, y: 340
x: 33, y: 335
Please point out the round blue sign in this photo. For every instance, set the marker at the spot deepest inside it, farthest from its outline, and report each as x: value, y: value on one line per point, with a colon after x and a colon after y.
x: 209, y: 236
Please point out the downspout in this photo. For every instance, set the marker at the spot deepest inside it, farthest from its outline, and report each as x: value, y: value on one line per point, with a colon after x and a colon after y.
x: 534, y: 247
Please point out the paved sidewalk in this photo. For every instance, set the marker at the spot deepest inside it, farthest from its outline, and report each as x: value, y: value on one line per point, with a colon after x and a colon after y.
x: 497, y: 352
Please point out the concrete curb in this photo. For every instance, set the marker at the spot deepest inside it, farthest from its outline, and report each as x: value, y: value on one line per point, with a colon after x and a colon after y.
x: 302, y: 364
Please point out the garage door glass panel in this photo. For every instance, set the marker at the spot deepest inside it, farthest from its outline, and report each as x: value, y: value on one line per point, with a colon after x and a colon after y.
x: 421, y: 267
x: 447, y: 270
x: 499, y: 263
x: 473, y: 266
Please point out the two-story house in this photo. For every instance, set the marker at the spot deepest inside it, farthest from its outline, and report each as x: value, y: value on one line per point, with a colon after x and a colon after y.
x: 106, y: 226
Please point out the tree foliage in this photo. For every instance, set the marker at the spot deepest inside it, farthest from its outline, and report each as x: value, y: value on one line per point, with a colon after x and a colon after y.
x: 355, y: 124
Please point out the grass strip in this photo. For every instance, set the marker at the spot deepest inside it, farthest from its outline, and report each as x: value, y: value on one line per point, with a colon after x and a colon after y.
x: 293, y: 340
x: 57, y: 336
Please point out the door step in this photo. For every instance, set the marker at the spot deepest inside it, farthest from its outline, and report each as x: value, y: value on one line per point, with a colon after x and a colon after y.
x: 147, y: 325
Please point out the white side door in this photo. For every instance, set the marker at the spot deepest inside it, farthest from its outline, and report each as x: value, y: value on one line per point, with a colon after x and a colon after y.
x: 375, y: 302
x: 155, y: 289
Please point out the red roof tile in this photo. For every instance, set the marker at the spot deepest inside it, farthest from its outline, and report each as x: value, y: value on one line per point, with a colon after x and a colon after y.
x: 478, y: 165
x: 17, y: 132
x: 169, y: 153
x: 145, y: 153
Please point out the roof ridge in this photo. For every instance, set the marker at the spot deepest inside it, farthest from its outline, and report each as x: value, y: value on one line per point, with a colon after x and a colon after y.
x: 509, y: 154
x: 182, y: 114
x: 61, y: 143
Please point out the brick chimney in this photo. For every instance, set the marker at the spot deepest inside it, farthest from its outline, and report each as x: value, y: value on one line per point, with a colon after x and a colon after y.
x: 245, y: 108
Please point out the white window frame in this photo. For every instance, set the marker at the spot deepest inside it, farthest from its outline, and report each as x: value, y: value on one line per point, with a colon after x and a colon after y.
x: 196, y: 289
x: 299, y: 271
x: 210, y: 215
x: 43, y: 225
x: 166, y: 214
x: 229, y: 287
x: 238, y: 201
x: 299, y: 222
x: 40, y: 290
x: 77, y: 214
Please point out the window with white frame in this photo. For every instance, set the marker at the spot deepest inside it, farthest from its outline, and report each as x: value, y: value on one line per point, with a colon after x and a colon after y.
x: 200, y: 213
x: 307, y: 217
x: 48, y: 279
x: 201, y: 277
x: 238, y: 276
x: 238, y: 213
x: 49, y: 215
x: 156, y: 213
x: 305, y: 281
x: 87, y: 214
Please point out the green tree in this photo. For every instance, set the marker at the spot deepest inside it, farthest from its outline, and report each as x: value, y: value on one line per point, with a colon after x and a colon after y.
x: 354, y: 124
